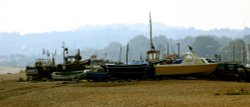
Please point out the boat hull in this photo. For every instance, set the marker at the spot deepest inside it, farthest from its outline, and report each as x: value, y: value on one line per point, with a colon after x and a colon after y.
x: 178, y: 69
x: 127, y: 71
x: 69, y: 75
x: 97, y: 76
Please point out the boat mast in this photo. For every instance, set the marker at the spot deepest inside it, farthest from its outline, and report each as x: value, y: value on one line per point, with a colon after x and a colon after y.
x: 168, y: 48
x: 65, y: 51
x: 150, y: 33
x: 127, y: 53
x: 178, y: 56
x: 152, y: 54
x: 120, y: 55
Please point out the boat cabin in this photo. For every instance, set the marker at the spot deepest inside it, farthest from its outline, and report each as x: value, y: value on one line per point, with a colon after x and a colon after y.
x: 153, y: 56
x: 191, y: 58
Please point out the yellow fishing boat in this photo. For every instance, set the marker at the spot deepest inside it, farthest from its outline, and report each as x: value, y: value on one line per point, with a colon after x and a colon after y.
x: 191, y: 64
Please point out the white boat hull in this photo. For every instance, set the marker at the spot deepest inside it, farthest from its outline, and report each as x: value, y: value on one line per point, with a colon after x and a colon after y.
x: 66, y: 75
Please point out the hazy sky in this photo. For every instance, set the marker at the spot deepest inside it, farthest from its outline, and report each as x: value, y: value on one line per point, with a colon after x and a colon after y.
x: 29, y: 16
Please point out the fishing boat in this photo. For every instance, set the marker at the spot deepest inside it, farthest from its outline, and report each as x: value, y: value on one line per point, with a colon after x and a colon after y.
x: 72, y: 68
x: 128, y: 70
x: 191, y: 64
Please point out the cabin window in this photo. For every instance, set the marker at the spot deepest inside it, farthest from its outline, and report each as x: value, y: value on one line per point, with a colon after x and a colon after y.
x: 150, y: 56
x: 157, y: 56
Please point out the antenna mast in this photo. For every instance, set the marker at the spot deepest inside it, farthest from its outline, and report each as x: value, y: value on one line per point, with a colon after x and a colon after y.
x: 150, y: 29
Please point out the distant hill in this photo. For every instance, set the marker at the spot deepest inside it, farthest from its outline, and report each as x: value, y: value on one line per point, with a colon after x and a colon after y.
x: 98, y: 37
x: 21, y: 50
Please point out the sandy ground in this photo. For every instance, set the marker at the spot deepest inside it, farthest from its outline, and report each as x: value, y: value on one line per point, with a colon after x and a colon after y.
x: 170, y: 93
x: 11, y: 70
